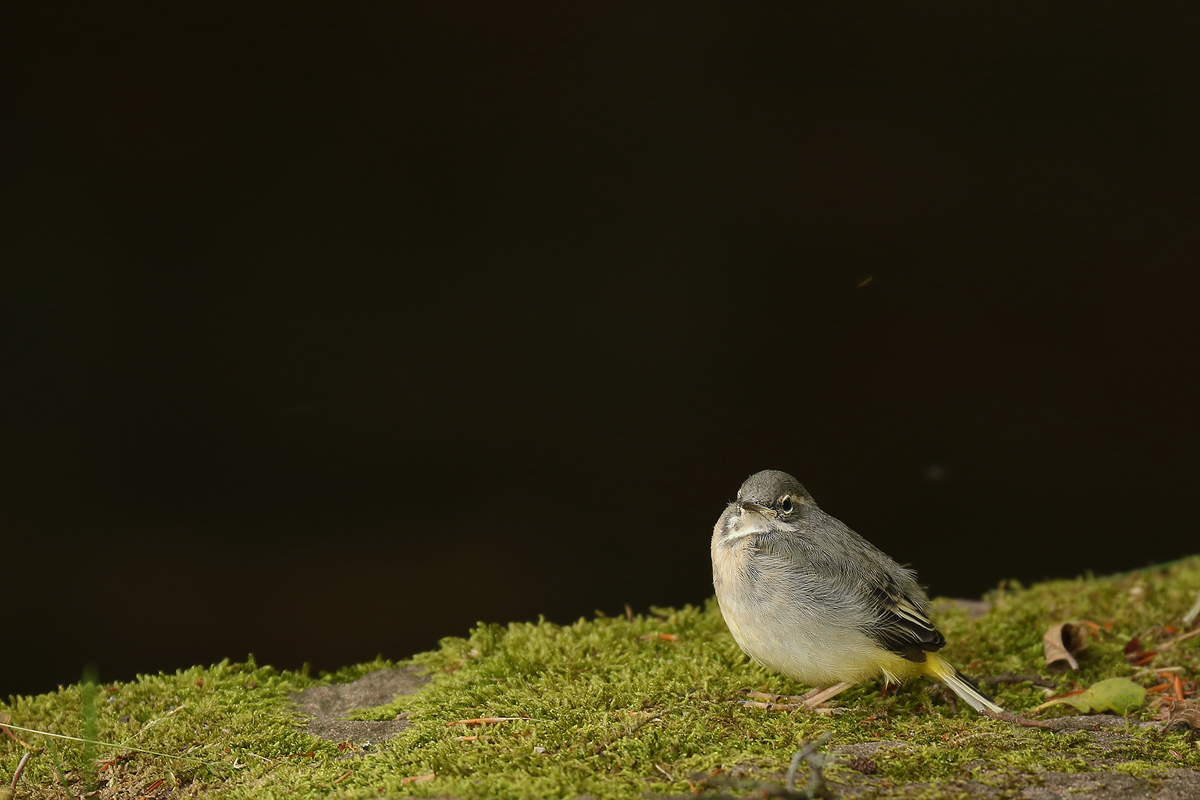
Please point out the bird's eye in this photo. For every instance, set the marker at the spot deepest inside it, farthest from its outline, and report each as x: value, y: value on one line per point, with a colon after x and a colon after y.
x: 785, y: 505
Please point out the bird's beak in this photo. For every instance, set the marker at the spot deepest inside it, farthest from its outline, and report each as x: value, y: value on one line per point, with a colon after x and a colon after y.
x: 756, y: 508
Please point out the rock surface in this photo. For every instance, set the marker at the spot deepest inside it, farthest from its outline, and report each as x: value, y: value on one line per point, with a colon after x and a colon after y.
x: 325, y: 706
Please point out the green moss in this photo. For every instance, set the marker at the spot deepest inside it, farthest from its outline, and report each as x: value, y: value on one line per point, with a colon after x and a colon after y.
x: 617, y: 708
x: 217, y: 722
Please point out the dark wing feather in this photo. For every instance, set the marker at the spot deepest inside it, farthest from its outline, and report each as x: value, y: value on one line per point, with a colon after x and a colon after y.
x: 902, y: 626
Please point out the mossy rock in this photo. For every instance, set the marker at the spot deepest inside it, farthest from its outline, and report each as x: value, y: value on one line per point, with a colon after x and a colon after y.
x: 647, y: 705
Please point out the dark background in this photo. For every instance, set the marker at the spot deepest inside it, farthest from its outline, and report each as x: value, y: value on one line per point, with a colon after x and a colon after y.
x: 328, y: 332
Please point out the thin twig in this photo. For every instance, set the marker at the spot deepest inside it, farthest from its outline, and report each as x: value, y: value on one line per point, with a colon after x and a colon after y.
x: 488, y: 720
x: 105, y: 744
x: 21, y: 767
x: 418, y: 778
x: 816, y: 761
x: 1157, y: 670
x: 150, y: 724
x: 5, y: 721
x: 1008, y: 677
x: 1008, y: 716
x: 629, y: 732
x: 1178, y: 639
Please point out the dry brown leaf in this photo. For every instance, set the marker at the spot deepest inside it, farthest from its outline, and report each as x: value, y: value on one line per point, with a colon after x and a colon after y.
x: 1135, y: 655
x: 1060, y: 643
x: 1184, y: 715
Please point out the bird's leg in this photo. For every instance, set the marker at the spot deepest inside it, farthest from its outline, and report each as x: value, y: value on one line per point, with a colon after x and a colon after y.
x: 771, y: 702
x: 816, y: 697
x: 808, y: 701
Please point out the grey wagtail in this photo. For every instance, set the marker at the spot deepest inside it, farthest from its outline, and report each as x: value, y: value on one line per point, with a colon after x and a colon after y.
x: 809, y: 598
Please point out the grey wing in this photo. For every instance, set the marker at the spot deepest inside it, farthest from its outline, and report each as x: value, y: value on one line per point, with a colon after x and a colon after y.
x: 897, y: 604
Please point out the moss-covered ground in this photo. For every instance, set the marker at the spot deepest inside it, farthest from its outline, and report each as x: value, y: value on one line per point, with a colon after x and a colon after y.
x: 624, y: 707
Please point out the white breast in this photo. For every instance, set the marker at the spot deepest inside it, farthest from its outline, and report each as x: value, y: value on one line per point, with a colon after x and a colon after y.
x: 790, y: 625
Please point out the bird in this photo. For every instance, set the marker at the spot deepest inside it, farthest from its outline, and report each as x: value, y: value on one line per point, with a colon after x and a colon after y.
x: 809, y: 598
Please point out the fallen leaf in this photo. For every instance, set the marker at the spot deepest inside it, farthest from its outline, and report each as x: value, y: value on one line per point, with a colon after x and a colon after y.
x: 1114, y: 694
x: 1184, y: 715
x: 1060, y: 643
x: 1135, y: 655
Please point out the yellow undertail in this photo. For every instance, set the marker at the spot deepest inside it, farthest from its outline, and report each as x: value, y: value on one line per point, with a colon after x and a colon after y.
x: 942, y: 670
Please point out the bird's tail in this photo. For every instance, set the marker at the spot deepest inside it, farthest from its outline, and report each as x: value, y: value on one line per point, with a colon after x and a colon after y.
x: 963, y: 686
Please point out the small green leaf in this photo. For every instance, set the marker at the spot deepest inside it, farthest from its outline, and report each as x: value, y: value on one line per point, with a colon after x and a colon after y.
x: 1114, y: 694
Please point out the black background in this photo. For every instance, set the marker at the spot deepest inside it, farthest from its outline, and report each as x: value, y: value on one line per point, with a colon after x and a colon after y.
x: 328, y: 332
